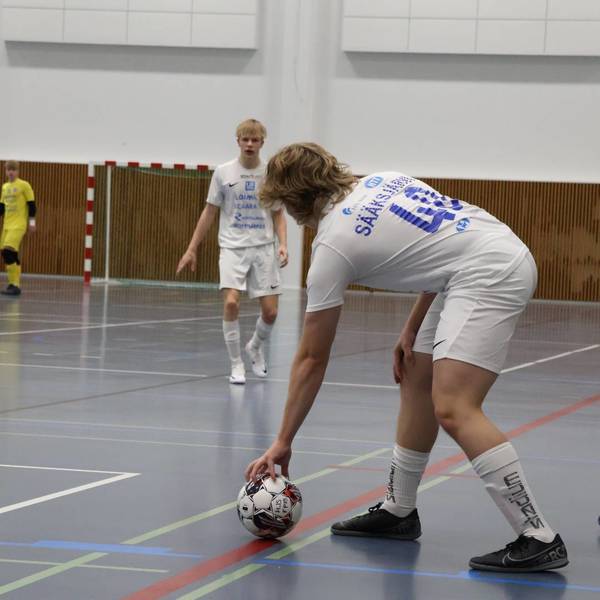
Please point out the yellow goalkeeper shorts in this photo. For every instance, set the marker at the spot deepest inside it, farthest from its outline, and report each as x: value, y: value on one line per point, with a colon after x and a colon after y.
x: 12, y: 238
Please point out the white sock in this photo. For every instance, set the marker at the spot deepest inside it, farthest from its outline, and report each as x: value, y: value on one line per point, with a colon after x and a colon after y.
x: 261, y: 333
x: 501, y: 471
x: 406, y: 471
x: 231, y: 333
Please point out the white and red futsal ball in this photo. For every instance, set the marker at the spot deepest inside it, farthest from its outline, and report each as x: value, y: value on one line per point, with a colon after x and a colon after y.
x: 269, y: 508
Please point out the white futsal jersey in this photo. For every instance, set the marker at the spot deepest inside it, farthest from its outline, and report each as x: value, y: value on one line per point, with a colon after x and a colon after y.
x: 242, y: 221
x: 397, y: 233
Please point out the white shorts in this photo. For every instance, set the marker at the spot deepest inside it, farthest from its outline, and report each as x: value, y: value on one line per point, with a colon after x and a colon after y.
x: 475, y: 324
x: 254, y: 269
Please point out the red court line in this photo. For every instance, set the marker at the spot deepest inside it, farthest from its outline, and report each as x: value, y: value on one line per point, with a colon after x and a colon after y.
x: 348, y: 468
x: 210, y: 567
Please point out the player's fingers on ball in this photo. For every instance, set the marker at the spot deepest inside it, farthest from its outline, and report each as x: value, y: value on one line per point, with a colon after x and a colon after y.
x: 257, y: 468
x: 248, y: 471
x: 262, y: 468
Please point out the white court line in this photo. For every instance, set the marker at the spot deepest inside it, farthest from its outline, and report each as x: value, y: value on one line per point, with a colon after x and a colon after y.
x: 275, y: 380
x: 162, y: 443
x: 67, y: 492
x: 187, y: 430
x: 395, y: 387
x: 64, y: 469
x: 192, y: 306
x: 19, y: 319
x: 335, y: 383
x: 88, y: 558
x: 549, y: 358
x: 55, y: 564
x: 128, y: 324
x: 103, y: 370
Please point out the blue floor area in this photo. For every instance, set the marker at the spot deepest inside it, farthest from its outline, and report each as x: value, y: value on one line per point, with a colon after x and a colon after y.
x: 133, y: 380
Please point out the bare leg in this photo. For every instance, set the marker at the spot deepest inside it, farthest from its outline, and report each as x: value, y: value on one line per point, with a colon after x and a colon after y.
x: 416, y: 432
x: 268, y: 308
x: 458, y: 391
x: 417, y: 427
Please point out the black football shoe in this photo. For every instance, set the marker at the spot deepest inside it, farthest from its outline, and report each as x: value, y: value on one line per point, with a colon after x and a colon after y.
x: 525, y: 555
x: 380, y: 523
x: 11, y: 290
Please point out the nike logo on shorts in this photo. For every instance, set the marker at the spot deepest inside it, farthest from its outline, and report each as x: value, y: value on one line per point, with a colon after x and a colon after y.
x: 273, y: 287
x: 232, y: 184
x: 439, y: 343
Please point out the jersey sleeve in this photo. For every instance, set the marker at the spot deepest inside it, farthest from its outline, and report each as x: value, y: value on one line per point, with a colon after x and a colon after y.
x: 215, y: 193
x: 28, y: 193
x: 328, y: 277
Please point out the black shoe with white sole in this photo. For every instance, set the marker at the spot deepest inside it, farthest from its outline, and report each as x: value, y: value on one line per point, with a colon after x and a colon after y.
x: 380, y: 523
x: 525, y: 555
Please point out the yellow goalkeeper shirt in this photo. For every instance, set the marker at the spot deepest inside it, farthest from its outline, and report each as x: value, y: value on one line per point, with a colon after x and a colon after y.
x: 15, y: 196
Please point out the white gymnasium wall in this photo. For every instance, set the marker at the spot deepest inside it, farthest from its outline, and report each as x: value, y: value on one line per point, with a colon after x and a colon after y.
x: 465, y: 116
x: 507, y: 117
x: 191, y: 23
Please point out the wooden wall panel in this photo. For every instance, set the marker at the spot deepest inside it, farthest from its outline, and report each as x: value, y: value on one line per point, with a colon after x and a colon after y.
x: 56, y: 248
x: 560, y: 222
x: 153, y: 215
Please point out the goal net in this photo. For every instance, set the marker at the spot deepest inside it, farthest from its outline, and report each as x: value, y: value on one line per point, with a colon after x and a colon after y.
x: 142, y: 219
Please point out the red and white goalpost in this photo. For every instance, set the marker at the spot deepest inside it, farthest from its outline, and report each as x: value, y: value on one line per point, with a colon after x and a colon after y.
x: 91, y: 191
x: 89, y: 225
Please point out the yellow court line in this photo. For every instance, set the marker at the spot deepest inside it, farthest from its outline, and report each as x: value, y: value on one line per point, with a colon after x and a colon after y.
x: 87, y: 558
x: 106, y: 567
x: 228, y: 578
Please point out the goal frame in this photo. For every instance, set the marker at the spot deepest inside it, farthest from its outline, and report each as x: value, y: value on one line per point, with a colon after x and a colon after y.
x: 90, y: 204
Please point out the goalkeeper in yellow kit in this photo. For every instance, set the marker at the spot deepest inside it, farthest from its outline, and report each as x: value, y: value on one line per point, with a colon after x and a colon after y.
x: 17, y: 206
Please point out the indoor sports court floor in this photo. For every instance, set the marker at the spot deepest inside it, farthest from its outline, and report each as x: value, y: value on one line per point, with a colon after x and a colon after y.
x: 123, y: 448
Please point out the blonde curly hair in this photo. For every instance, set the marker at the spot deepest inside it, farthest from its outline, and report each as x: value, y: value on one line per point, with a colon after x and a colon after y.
x: 306, y: 179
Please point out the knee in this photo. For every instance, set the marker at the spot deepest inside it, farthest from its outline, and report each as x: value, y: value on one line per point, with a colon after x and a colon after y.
x: 447, y: 419
x: 450, y: 413
x: 269, y: 315
x: 10, y: 256
x: 232, y: 307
